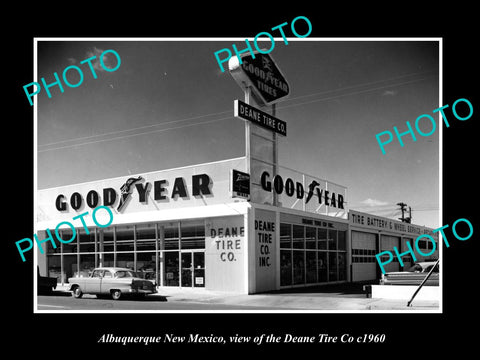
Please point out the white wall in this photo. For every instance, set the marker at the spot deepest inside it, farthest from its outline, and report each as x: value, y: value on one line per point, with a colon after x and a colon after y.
x: 264, y: 250
x: 225, y: 254
x: 218, y: 172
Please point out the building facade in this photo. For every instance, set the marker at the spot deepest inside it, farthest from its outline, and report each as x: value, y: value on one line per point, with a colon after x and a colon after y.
x: 197, y: 226
x: 244, y: 225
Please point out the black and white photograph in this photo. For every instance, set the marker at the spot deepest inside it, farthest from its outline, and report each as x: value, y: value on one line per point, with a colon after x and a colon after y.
x: 160, y: 134
x: 250, y: 180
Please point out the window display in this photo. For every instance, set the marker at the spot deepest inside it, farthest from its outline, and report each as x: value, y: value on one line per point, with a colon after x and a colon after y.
x: 310, y: 254
x: 150, y: 249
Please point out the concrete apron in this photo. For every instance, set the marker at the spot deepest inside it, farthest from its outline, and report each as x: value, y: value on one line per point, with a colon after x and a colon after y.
x: 405, y: 292
x: 293, y: 302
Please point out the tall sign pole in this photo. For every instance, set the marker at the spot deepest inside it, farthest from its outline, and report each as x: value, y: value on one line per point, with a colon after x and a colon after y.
x: 275, y: 156
x: 263, y: 85
x: 247, y: 93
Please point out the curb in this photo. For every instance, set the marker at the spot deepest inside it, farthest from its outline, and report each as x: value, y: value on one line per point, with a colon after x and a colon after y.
x: 288, y: 302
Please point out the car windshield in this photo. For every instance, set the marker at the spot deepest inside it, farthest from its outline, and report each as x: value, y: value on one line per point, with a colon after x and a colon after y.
x: 418, y: 268
x: 415, y: 268
x: 125, y: 274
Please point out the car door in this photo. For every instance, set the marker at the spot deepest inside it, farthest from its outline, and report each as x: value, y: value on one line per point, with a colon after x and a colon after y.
x: 92, y: 284
x: 107, y: 282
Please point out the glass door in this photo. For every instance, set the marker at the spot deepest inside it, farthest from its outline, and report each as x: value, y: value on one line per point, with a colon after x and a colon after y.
x: 171, y: 268
x: 193, y: 268
x: 187, y: 267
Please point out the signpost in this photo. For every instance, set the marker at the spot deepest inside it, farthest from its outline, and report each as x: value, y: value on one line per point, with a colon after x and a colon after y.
x: 259, y: 117
x: 263, y: 83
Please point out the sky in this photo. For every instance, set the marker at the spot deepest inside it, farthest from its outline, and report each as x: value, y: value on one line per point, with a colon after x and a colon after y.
x: 170, y: 105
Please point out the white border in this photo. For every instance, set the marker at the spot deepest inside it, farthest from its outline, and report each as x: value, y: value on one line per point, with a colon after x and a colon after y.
x: 131, y: 39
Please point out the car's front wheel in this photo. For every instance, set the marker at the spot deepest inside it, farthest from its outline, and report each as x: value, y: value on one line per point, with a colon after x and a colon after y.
x: 116, y: 294
x: 77, y: 292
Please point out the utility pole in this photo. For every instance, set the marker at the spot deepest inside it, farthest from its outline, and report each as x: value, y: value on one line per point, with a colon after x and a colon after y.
x: 402, y: 208
x: 409, y: 218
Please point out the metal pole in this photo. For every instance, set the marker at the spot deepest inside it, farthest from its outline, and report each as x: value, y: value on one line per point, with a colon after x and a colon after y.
x: 247, y: 132
x: 275, y: 156
x: 423, y: 282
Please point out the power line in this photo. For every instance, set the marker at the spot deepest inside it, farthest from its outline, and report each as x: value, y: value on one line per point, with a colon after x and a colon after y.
x: 352, y: 93
x: 363, y: 84
x: 126, y: 136
x: 132, y: 129
x: 224, y: 112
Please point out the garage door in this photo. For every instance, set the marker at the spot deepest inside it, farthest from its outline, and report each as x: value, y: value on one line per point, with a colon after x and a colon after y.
x: 407, y: 259
x: 387, y: 243
x: 363, y: 256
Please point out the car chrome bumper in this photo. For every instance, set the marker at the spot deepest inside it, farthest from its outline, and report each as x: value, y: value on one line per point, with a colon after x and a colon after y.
x: 143, y: 291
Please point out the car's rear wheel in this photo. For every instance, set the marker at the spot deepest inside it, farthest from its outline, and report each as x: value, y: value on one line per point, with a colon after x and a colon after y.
x: 116, y: 294
x: 77, y: 292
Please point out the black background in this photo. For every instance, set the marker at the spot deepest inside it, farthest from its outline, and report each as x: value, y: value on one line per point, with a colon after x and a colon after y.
x: 406, y: 334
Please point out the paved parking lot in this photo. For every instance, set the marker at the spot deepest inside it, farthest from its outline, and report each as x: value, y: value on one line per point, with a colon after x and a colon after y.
x: 344, y: 297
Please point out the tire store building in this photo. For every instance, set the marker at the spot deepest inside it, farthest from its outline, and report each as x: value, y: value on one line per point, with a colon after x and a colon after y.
x: 244, y: 225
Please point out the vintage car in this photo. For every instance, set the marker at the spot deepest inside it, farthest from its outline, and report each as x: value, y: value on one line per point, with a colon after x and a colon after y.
x: 111, y: 281
x: 414, y: 275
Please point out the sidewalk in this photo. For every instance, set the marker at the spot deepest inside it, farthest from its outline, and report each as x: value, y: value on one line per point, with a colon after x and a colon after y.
x: 291, y: 301
x: 295, y: 301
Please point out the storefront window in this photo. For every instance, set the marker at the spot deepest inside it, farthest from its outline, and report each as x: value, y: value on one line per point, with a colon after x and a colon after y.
x: 171, y: 236
x: 311, y: 262
x: 193, y: 235
x: 145, y: 232
x: 342, y: 240
x: 47, y: 245
x: 109, y: 259
x: 285, y: 236
x: 151, y: 249
x: 322, y: 238
x: 285, y: 267
x: 124, y: 259
x: 54, y: 267
x: 146, y: 236
x: 172, y: 269
x: 123, y: 233
x: 322, y: 266
x: 322, y: 261
x: 146, y: 267
x: 310, y: 237
x: 298, y: 267
x: 332, y: 239
x: 332, y: 266
x: 69, y: 267
x: 342, y: 266
x: 87, y: 241
x: 66, y: 235
x: 298, y: 237
x: 187, y: 268
x: 105, y: 240
x: 87, y: 264
x: 124, y: 236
